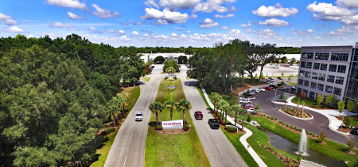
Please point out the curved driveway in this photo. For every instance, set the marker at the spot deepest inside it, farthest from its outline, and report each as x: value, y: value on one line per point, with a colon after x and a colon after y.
x: 317, y: 125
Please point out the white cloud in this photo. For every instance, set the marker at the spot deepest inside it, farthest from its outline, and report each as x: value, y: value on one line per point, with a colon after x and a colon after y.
x: 61, y: 25
x: 124, y: 37
x: 224, y: 16
x: 274, y: 22
x: 121, y: 32
x: 15, y: 29
x: 350, y: 19
x: 348, y: 3
x: 67, y: 3
x: 224, y: 27
x: 166, y: 16
x: 268, y: 34
x: 178, y: 4
x: 92, y: 29
x: 310, y: 31
x: 274, y: 11
x: 346, y: 29
x: 302, y: 33
x: 151, y: 3
x: 193, y: 16
x: 135, y: 33
x: 74, y: 16
x: 102, y: 13
x: 213, y: 5
x: 328, y: 11
x: 174, y: 34
x: 208, y: 23
x: 249, y: 24
x: 7, y: 19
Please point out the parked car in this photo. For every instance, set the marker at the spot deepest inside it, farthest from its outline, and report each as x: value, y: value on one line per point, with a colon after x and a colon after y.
x: 198, y: 115
x: 251, y: 110
x: 270, y: 78
x: 213, y: 123
x: 268, y: 88
x: 139, y: 116
x: 247, y: 106
x: 280, y: 78
x: 354, y: 131
x: 262, y: 89
x: 244, y: 101
x: 250, y: 97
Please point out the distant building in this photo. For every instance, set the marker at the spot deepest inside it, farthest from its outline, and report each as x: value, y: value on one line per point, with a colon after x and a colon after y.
x: 151, y: 56
x: 329, y: 70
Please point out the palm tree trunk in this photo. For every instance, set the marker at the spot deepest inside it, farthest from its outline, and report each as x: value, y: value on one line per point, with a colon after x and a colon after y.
x: 156, y: 117
x: 171, y: 114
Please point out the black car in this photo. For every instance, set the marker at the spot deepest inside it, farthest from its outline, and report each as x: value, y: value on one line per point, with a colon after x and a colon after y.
x: 280, y: 78
x: 354, y: 131
x: 213, y: 123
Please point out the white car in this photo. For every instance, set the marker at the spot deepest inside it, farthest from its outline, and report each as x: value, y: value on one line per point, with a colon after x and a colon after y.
x: 139, y: 116
x: 251, y: 110
x: 244, y: 101
x: 262, y: 89
x: 243, y: 98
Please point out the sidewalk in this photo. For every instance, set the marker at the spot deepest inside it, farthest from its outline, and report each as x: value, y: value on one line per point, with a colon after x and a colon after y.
x: 334, y: 123
x: 243, y: 138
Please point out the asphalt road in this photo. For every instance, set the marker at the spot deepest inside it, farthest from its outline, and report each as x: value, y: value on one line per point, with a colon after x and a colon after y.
x: 219, y: 150
x: 317, y: 125
x: 128, y: 148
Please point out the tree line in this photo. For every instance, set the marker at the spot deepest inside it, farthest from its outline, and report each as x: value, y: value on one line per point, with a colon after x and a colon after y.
x: 54, y: 96
x: 224, y: 66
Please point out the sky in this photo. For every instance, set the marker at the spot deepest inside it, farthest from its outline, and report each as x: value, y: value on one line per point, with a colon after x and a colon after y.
x: 176, y: 23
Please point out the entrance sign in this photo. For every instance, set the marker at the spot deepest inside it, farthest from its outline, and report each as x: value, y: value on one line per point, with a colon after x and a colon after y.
x: 174, y: 124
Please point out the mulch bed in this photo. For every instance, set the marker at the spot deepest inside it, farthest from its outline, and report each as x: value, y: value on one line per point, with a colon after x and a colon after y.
x: 344, y: 130
x: 172, y: 131
x: 295, y: 113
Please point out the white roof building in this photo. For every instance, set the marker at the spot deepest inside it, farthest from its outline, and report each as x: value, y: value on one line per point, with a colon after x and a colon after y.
x: 151, y: 56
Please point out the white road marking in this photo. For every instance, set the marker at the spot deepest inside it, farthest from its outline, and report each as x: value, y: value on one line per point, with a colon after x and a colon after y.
x: 217, y: 145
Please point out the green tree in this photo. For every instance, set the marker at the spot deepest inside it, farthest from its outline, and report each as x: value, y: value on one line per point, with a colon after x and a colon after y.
x: 319, y: 99
x: 215, y: 98
x: 156, y: 108
x: 184, y: 106
x: 223, y: 105
x: 159, y: 60
x: 182, y: 60
x: 351, y: 105
x: 330, y: 100
x: 171, y: 106
x: 170, y: 64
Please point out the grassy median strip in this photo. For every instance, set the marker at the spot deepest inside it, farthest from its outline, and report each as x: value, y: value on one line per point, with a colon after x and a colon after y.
x: 173, y: 149
x: 132, y: 94
x: 332, y: 149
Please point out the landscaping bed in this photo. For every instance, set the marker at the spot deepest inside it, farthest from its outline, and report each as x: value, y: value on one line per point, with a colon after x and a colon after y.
x: 299, y: 113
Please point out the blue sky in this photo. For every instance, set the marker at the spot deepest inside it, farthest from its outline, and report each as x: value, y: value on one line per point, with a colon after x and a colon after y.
x: 178, y: 23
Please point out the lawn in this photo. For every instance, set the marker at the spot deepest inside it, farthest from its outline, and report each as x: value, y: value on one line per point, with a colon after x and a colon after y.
x: 173, y: 149
x: 292, y: 83
x: 332, y: 149
x: 146, y: 79
x: 309, y: 103
x: 132, y: 93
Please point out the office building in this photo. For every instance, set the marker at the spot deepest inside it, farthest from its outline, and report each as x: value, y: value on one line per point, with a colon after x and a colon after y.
x: 328, y: 70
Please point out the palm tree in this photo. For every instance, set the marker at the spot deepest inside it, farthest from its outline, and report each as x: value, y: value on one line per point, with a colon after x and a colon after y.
x: 215, y: 98
x: 117, y: 104
x: 236, y: 108
x: 156, y: 108
x: 223, y: 106
x: 184, y: 105
x: 170, y: 70
x: 171, y: 106
x: 341, y: 106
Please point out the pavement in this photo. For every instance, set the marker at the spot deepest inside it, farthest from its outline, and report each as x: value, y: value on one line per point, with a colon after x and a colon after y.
x: 128, y: 148
x: 318, y: 124
x: 219, y: 150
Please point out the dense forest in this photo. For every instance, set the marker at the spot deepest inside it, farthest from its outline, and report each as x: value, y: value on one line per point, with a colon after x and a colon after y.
x: 54, y: 94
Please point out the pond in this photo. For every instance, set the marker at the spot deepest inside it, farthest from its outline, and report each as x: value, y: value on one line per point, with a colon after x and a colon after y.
x: 291, y: 147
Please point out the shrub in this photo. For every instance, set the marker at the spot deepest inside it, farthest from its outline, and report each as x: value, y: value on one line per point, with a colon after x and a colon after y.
x: 230, y: 129
x: 351, y: 144
x: 321, y: 137
x: 107, y: 131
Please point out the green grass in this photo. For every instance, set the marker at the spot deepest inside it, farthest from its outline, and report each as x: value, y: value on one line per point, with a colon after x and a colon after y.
x: 132, y: 93
x: 173, y: 149
x: 331, y: 149
x: 309, y: 103
x: 146, y: 79
x: 292, y: 83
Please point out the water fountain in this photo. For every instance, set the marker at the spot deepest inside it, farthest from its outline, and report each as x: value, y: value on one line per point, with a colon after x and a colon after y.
x: 302, y: 147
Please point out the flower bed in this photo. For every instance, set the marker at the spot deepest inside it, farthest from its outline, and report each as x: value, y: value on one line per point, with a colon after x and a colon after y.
x: 296, y: 112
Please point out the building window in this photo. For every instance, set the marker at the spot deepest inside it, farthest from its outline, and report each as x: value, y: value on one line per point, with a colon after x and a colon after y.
x: 339, y: 80
x: 309, y: 65
x: 313, y: 85
x: 320, y: 87
x: 332, y: 67
x: 311, y: 95
x: 339, y: 56
x: 337, y: 91
x: 307, y: 55
x: 323, y: 67
x: 302, y: 73
x: 314, y: 75
x: 307, y: 83
x: 303, y: 64
x: 322, y: 77
x: 316, y: 66
x: 341, y: 69
x: 300, y: 82
x: 330, y: 78
x: 308, y: 74
x: 321, y: 56
x: 329, y: 89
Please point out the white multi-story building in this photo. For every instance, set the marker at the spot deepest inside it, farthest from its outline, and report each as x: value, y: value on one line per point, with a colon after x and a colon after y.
x: 324, y: 70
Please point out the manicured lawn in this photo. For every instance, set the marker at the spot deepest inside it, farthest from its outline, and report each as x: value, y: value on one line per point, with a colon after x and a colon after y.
x: 173, y: 149
x: 146, y: 79
x: 309, y: 103
x: 132, y: 93
x: 332, y: 149
x: 292, y: 83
